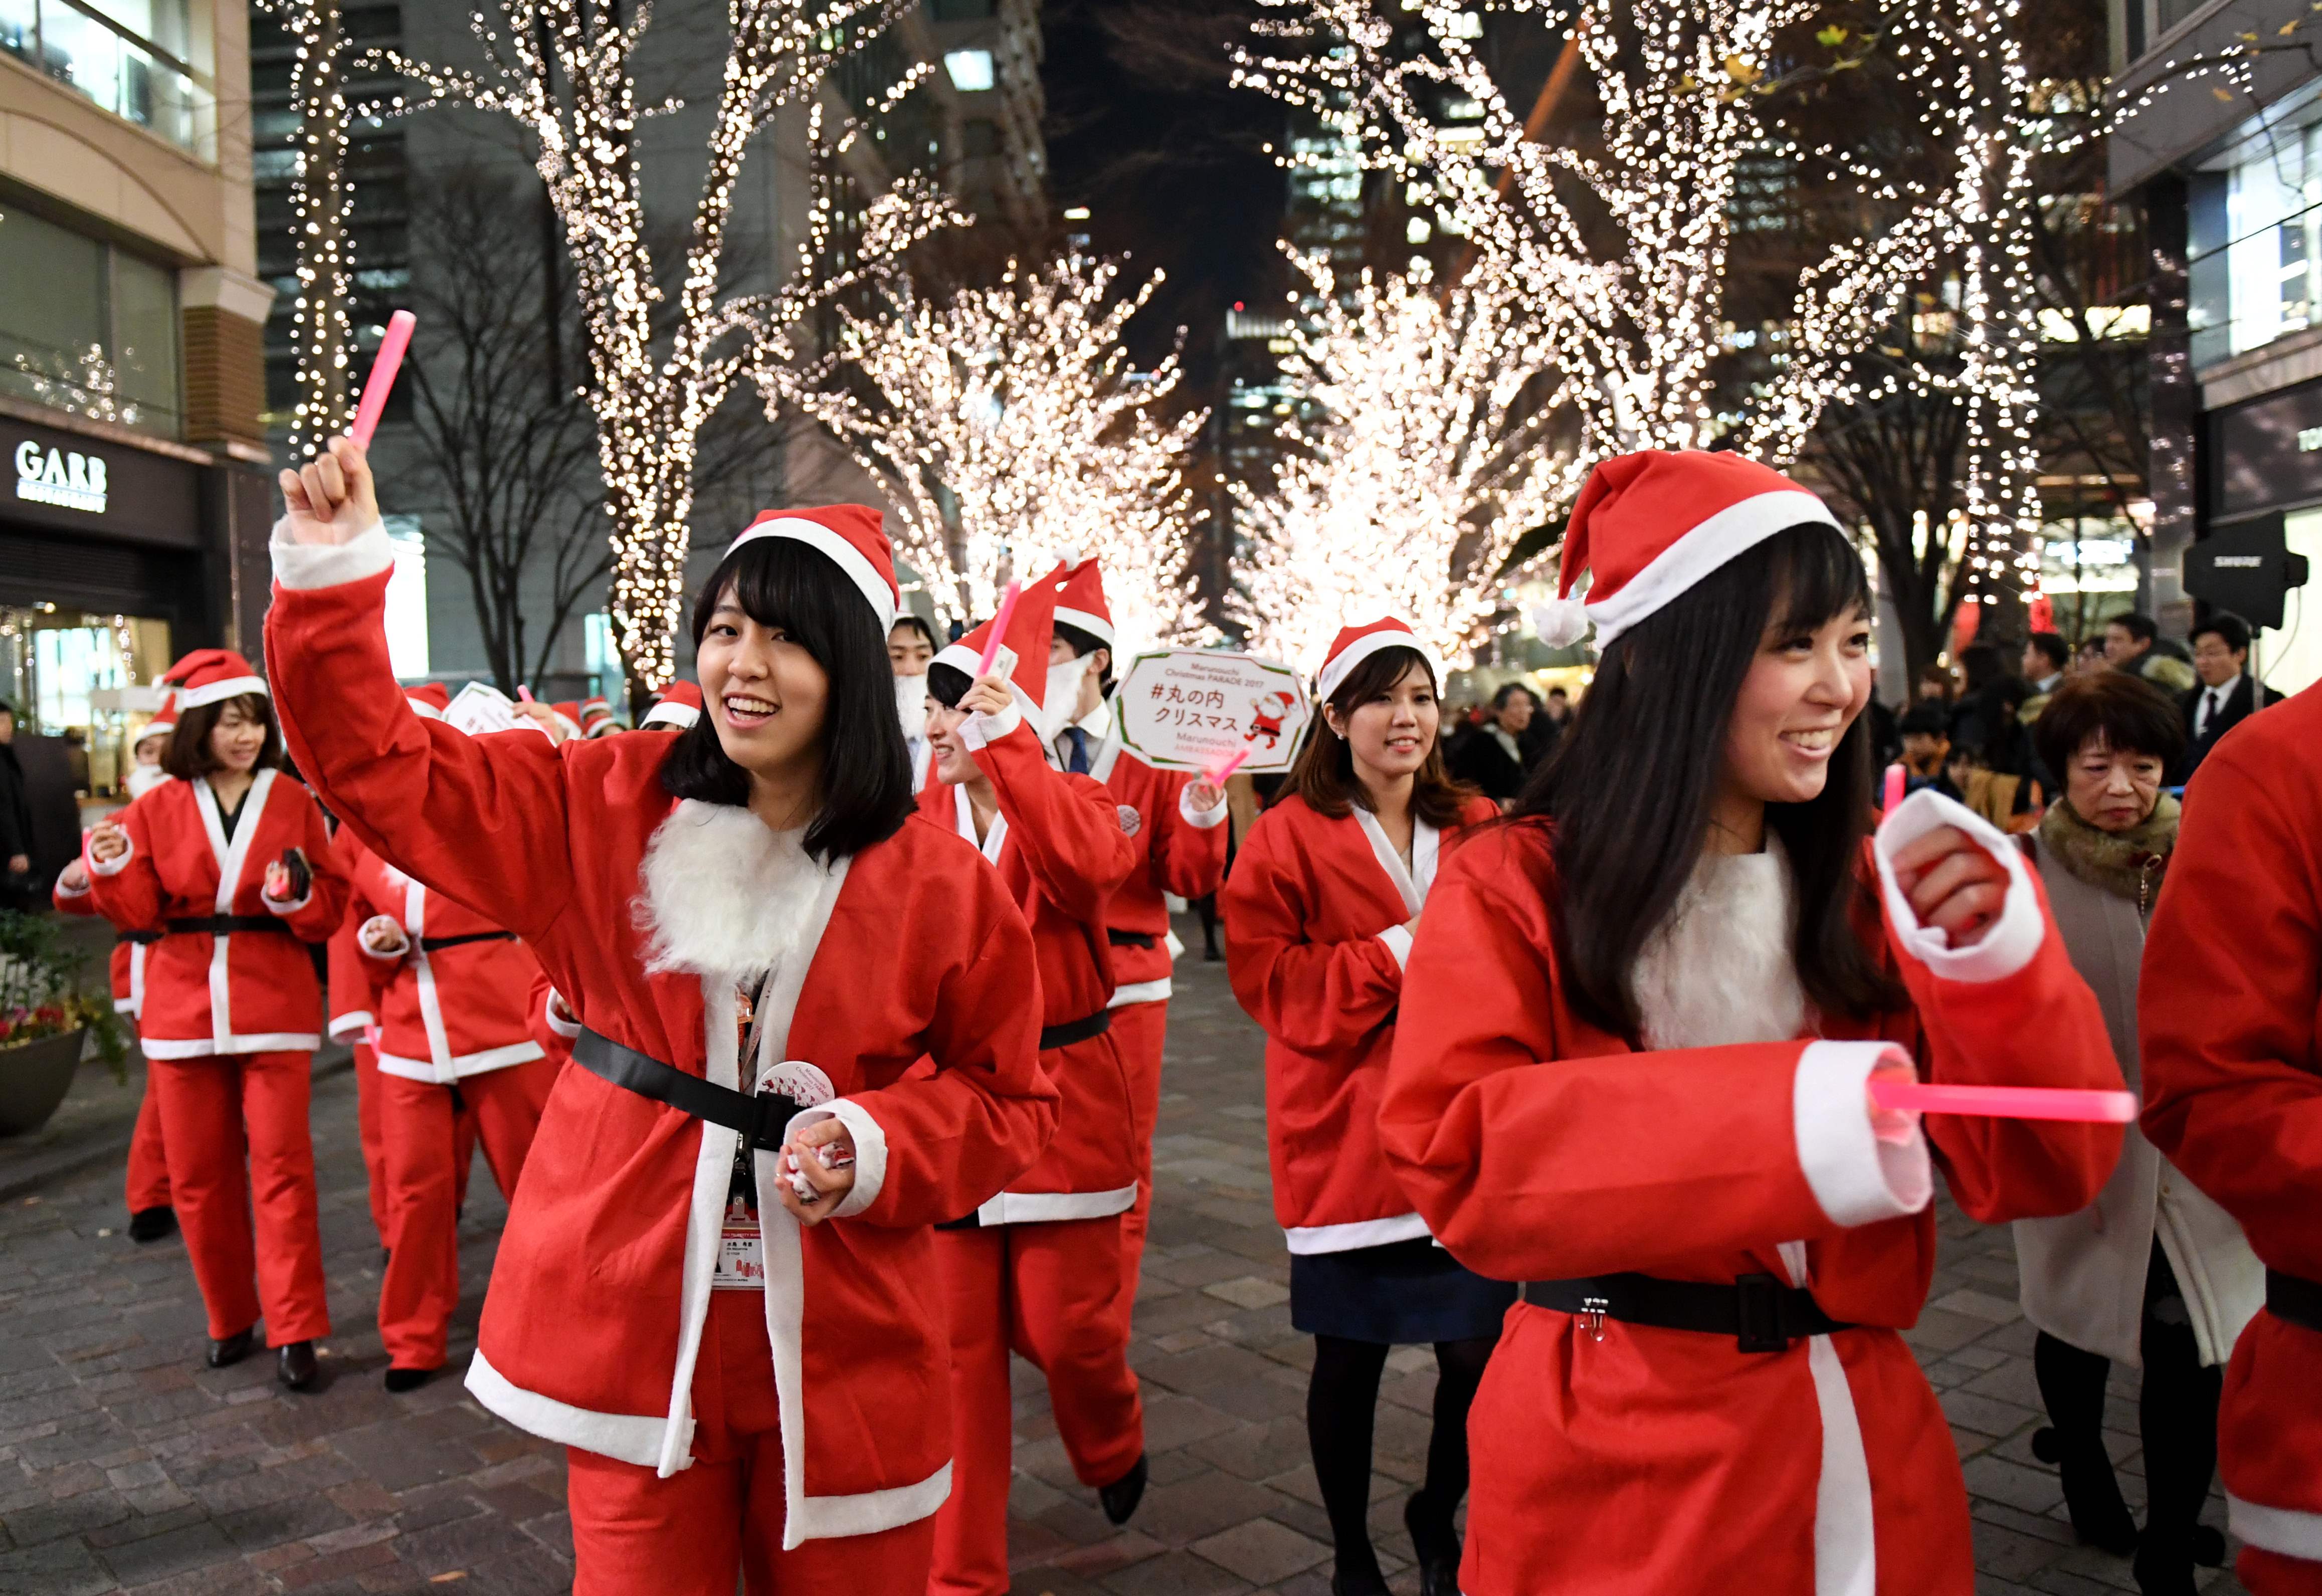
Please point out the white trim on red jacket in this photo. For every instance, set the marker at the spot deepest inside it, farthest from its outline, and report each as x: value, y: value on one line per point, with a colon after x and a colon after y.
x: 442, y: 1066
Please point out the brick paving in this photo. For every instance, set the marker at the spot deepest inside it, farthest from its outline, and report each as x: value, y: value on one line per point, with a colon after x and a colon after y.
x: 126, y: 1465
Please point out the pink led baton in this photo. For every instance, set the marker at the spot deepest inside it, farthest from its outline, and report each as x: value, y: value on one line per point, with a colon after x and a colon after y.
x: 383, y: 367
x: 1217, y: 775
x: 2005, y: 1102
x: 1894, y: 793
x: 998, y: 628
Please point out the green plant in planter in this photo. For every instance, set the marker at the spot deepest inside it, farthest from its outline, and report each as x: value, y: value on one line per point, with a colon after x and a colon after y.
x: 39, y: 995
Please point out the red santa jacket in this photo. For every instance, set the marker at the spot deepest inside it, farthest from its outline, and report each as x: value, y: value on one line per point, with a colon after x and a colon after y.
x: 2227, y: 1008
x: 650, y: 914
x: 241, y: 992
x: 1174, y: 849
x: 125, y: 968
x: 1058, y: 845
x: 354, y: 986
x: 453, y: 1003
x: 1538, y: 1146
x: 1315, y: 944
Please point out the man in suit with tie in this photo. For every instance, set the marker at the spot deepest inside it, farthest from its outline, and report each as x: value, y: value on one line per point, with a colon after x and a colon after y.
x: 2227, y: 694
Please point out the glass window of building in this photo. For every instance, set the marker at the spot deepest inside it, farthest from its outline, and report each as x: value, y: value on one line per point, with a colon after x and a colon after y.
x: 75, y: 676
x: 2256, y: 235
x: 137, y: 59
x: 85, y: 327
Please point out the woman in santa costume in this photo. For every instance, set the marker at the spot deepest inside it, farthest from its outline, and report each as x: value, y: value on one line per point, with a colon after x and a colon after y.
x: 1038, y: 1267
x: 454, y: 1054
x: 1176, y: 822
x: 1639, y: 1023
x: 230, y: 862
x: 717, y: 1284
x: 1318, y: 916
x: 2233, y: 1096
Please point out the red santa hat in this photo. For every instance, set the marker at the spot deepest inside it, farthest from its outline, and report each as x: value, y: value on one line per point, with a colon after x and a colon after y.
x: 567, y: 712
x: 679, y: 705
x: 164, y: 721
x: 211, y: 676
x: 1080, y: 600
x: 596, y: 717
x: 428, y: 700
x: 1354, y: 644
x: 1023, y: 650
x: 1652, y: 524
x: 851, y: 537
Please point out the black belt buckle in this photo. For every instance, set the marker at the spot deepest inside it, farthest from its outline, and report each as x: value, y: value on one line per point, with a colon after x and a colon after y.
x: 1757, y: 1299
x: 770, y: 1115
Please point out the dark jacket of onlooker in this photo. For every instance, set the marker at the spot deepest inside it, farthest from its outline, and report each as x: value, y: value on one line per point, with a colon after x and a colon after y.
x: 1480, y: 759
x: 2243, y: 699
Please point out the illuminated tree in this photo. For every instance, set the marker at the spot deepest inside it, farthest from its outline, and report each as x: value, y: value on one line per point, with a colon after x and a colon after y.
x: 1012, y: 431
x: 1427, y: 454
x: 562, y: 69
x: 320, y: 196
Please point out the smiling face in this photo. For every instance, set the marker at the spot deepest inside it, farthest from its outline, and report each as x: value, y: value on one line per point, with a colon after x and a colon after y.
x: 947, y: 751
x: 765, y: 695
x: 1390, y: 733
x: 1803, y: 690
x: 238, y: 738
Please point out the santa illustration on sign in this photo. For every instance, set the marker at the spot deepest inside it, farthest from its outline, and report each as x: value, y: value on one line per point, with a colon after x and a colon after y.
x: 1267, y: 716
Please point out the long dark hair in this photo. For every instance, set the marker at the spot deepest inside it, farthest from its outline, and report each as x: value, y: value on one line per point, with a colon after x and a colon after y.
x: 188, y: 754
x: 1324, y: 775
x: 1631, y: 782
x: 866, y: 771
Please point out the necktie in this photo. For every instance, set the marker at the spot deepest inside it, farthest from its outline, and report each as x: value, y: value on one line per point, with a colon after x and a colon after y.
x: 1078, y: 761
x: 2213, y: 707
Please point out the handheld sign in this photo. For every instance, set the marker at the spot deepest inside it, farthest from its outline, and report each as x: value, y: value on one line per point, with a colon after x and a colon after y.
x: 477, y: 709
x: 383, y: 367
x: 1893, y: 797
x: 2007, y: 1102
x: 1205, y: 710
x: 998, y: 628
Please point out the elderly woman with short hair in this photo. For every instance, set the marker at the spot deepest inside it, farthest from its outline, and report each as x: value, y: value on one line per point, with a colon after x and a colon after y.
x: 2153, y: 1273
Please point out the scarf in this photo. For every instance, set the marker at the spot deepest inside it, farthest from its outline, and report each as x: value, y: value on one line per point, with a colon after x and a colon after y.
x: 2125, y: 863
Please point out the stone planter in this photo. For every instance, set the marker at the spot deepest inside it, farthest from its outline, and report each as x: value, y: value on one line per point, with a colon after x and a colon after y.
x: 34, y: 1077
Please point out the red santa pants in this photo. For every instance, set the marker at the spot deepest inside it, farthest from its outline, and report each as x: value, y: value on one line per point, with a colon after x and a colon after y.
x: 367, y: 1130
x: 2270, y: 1574
x: 637, y: 1534
x: 1052, y: 1293
x: 212, y: 1108
x: 149, y: 1167
x: 420, y: 1122
x: 1137, y: 1029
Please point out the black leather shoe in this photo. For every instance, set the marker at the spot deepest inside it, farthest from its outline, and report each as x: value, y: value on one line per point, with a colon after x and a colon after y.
x: 1435, y: 1546
x: 399, y: 1381
x: 1120, y: 1498
x: 234, y: 1348
x: 296, y: 1366
x: 1372, y: 1583
x: 2163, y: 1571
x: 2091, y: 1492
x: 2208, y: 1546
x: 152, y: 1224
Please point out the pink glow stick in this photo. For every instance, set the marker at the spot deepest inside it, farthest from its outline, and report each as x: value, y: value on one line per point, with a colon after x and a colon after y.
x: 2007, y: 1102
x: 524, y: 693
x: 1893, y: 797
x: 998, y: 628
x: 1217, y: 774
x: 383, y: 367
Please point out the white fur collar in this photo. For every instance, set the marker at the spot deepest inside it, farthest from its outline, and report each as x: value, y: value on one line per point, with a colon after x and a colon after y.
x: 723, y: 893
x: 1721, y: 968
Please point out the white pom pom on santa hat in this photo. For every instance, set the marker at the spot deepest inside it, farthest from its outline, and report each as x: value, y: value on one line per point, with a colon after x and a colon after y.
x: 1647, y: 526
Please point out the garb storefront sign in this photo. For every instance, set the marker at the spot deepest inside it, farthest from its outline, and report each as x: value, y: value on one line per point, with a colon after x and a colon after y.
x: 1193, y: 708
x: 67, y: 482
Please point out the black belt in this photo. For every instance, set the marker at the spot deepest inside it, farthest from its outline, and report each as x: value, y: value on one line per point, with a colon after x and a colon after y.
x: 220, y: 925
x: 2298, y: 1301
x: 1131, y: 939
x: 1759, y: 1312
x: 430, y: 945
x: 1076, y: 1030
x: 761, y: 1120
x: 141, y: 937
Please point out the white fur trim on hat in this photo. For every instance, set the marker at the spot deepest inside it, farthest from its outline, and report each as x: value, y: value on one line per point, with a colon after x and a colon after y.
x: 1336, y: 672
x: 217, y: 692
x: 670, y: 713
x: 1560, y: 622
x: 424, y: 709
x: 1734, y: 530
x: 845, y: 555
x: 1095, y: 625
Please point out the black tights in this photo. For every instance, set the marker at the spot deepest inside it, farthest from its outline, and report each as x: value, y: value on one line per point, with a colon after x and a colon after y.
x: 1341, y: 1398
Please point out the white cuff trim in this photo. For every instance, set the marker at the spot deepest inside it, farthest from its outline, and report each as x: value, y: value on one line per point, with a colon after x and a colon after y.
x: 62, y: 890
x: 303, y: 567
x: 1346, y: 1236
x: 1398, y: 942
x: 99, y: 867
x: 981, y: 730
x: 1199, y: 819
x: 870, y: 1150
x: 276, y: 906
x: 560, y: 1018
x: 1140, y: 991
x: 2011, y: 941
x: 345, y: 1026
x: 1858, y: 1179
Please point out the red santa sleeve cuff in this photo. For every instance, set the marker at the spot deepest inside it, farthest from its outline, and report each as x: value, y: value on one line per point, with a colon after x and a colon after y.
x: 347, y: 1028
x: 870, y: 1150
x: 560, y: 1018
x: 1398, y: 942
x: 301, y: 567
x: 1856, y: 1178
x: 119, y: 863
x: 62, y: 891
x: 981, y: 730
x: 2011, y: 939
x: 1199, y: 819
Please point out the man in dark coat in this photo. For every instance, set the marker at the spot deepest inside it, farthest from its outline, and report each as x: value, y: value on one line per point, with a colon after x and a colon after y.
x: 2229, y: 694
x: 15, y: 818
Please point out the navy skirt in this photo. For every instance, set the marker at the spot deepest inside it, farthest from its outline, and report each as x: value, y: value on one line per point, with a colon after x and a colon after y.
x: 1406, y: 1293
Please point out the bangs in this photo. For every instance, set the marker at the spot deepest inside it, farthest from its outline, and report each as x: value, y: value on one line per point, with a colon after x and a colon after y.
x: 947, y: 685
x: 1817, y: 577
x: 782, y: 582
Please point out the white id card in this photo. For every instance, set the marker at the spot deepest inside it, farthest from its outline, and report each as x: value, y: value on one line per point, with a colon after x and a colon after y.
x: 741, y: 1258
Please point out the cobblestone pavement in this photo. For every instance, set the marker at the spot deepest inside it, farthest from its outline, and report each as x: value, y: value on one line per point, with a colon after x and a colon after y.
x: 125, y: 1465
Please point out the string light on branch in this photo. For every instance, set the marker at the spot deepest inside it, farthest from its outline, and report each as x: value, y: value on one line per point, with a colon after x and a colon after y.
x: 320, y: 195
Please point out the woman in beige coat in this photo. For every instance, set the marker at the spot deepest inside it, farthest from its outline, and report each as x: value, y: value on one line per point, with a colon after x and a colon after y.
x: 2153, y: 1273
